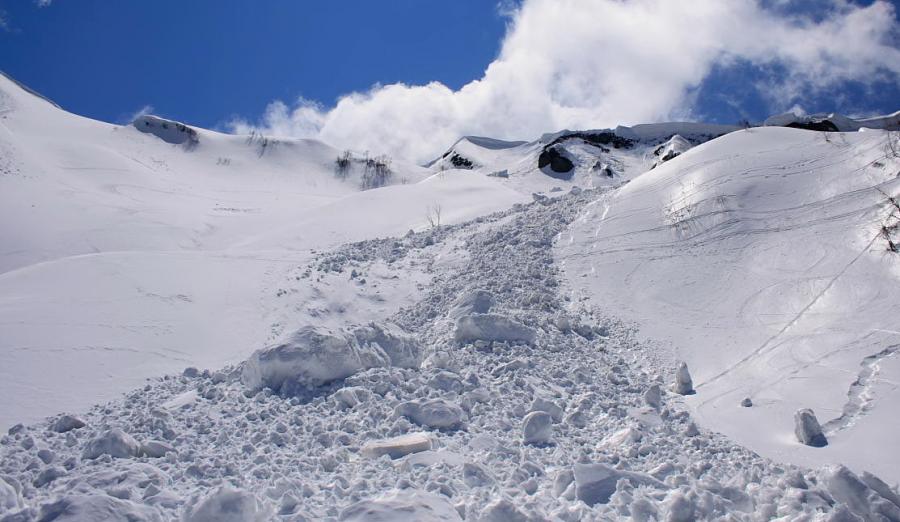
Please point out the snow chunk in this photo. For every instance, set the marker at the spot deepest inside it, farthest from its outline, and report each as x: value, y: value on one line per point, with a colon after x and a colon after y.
x: 9, y: 497
x: 862, y: 500
x: 66, y: 423
x: 96, y: 508
x: 156, y: 449
x: 537, y: 428
x: 808, y: 430
x: 397, y: 447
x: 401, y: 349
x: 683, y: 384
x: 402, y: 506
x: 227, y: 504
x: 472, y: 302
x: 114, y: 442
x: 434, y: 413
x: 595, y: 483
x: 311, y: 357
x: 653, y: 396
x: 492, y: 327
x: 554, y: 409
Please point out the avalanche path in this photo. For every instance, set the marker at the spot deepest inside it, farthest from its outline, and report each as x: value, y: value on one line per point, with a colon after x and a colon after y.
x: 522, y: 405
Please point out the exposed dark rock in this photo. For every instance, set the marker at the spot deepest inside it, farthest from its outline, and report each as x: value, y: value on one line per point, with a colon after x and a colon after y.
x: 461, y: 162
x: 597, y: 138
x: 821, y: 125
x: 560, y: 166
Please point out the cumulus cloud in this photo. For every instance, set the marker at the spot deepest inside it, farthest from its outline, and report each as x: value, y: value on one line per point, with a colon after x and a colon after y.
x: 599, y: 63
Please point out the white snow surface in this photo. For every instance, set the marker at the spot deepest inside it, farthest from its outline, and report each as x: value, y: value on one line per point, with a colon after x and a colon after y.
x: 123, y: 256
x: 762, y: 260
x: 210, y: 327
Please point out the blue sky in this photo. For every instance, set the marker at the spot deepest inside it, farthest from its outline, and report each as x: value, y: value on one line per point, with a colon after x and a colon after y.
x: 236, y: 64
x: 206, y: 60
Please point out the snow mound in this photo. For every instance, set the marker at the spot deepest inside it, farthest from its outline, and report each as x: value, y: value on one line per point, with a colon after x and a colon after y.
x: 169, y: 131
x: 492, y: 327
x: 314, y: 356
x: 227, y: 504
x: 402, y: 506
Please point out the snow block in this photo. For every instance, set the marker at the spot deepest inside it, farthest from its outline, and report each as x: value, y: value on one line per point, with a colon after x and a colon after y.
x: 595, y: 483
x: 66, y: 423
x: 396, y: 447
x: 227, y: 504
x: 115, y: 443
x: 311, y: 357
x: 402, y: 506
x: 491, y: 327
x: 472, y: 302
x: 434, y: 413
x: 683, y: 385
x: 653, y: 396
x: 537, y: 428
x: 808, y: 430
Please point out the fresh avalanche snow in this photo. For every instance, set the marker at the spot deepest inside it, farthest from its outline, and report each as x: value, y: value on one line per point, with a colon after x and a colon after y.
x: 478, y: 339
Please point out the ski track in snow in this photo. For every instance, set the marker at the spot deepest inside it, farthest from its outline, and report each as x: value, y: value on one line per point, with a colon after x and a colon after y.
x: 861, y: 395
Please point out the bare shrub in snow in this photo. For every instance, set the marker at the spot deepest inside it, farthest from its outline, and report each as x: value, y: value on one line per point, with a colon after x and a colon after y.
x: 433, y: 215
x: 342, y: 165
x: 377, y: 172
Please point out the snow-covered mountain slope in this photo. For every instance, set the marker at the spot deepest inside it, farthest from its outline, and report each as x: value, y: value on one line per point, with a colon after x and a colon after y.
x: 415, y: 352
x: 128, y: 252
x: 591, y: 158
x: 767, y: 259
x: 492, y: 398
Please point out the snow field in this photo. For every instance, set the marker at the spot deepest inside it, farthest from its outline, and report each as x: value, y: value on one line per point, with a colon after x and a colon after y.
x: 258, y: 454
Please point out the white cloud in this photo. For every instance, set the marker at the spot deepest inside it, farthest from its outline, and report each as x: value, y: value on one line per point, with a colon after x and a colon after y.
x: 598, y: 63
